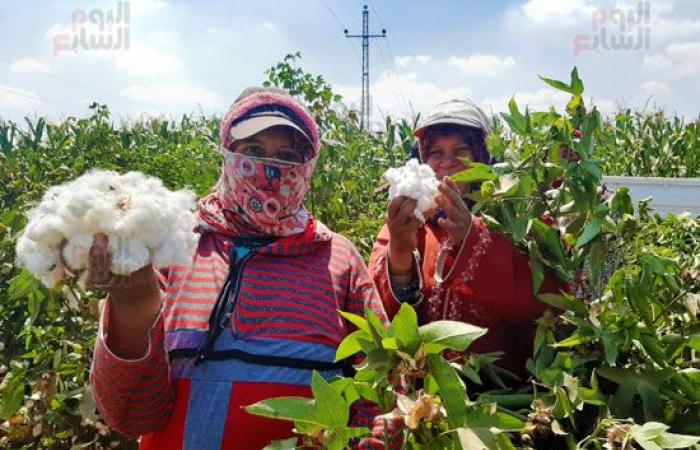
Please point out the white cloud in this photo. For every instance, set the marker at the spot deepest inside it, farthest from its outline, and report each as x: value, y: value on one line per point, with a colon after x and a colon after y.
x: 403, y: 61
x: 146, y: 60
x: 148, y: 56
x: 146, y: 6
x: 669, y: 29
x: 655, y: 88
x: 401, y: 95
x: 29, y: 65
x: 541, y: 100
x: 557, y: 12
x: 172, y: 94
x: 480, y: 64
x: 678, y: 60
x: 16, y: 98
x: 270, y: 26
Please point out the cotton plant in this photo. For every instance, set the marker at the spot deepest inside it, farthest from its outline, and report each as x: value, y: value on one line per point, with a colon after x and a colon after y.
x: 144, y: 222
x: 416, y: 181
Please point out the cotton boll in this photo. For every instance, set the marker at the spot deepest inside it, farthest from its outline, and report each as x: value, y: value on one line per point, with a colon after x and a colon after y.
x: 183, y: 200
x: 416, y: 181
x: 138, y: 214
x: 77, y: 250
x: 103, y: 215
x: 46, y: 230
x: 76, y: 205
x: 50, y: 201
x: 101, y: 180
x: 176, y: 250
x: 33, y: 256
x: 128, y: 255
x: 146, y: 219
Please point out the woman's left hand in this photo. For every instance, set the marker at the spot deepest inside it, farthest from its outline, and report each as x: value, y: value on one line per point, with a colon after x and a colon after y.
x: 458, y: 218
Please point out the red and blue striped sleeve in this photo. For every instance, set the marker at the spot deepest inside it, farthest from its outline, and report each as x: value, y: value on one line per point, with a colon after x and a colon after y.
x: 133, y: 396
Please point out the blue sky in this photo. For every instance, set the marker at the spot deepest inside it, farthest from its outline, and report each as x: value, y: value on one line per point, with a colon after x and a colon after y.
x: 197, y: 56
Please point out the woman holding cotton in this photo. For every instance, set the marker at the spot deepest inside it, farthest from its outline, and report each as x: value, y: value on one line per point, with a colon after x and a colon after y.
x: 452, y: 266
x: 181, y: 350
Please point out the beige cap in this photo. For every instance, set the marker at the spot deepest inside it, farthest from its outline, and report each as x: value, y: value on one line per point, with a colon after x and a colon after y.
x: 255, y: 123
x: 458, y: 112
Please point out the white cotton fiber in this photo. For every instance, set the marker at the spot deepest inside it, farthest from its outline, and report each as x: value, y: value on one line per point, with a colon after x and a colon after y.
x: 76, y: 251
x: 144, y: 222
x: 416, y: 181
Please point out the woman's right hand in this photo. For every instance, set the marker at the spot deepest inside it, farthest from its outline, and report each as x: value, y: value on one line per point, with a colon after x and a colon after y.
x: 403, y: 238
x: 123, y: 286
x: 403, y: 225
x: 135, y: 301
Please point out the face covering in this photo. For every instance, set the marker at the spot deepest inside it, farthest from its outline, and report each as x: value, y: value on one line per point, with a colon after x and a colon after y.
x: 265, y: 194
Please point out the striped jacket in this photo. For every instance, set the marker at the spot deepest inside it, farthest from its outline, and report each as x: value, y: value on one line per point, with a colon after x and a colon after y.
x: 288, y: 296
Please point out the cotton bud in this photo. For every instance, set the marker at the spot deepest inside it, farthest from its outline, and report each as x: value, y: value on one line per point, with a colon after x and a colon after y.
x: 416, y: 181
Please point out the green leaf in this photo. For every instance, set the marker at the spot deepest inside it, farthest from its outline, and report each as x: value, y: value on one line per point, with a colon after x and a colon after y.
x: 452, y: 390
x: 649, y: 431
x: 658, y: 265
x: 575, y: 87
x: 349, y: 346
x: 515, y: 120
x: 609, y: 346
x: 565, y: 302
x: 673, y: 440
x: 597, y: 258
x: 13, y: 394
x: 390, y: 343
x: 621, y: 202
x: 476, y: 172
x: 648, y: 445
x: 549, y: 239
x: 330, y: 405
x: 298, y: 409
x: 21, y: 285
x: 645, y: 384
x: 556, y: 84
x: 576, y: 83
x: 484, y: 429
x: 376, y: 327
x: 405, y: 328
x: 286, y: 444
x: 450, y: 334
x: 356, y: 320
x: 573, y: 104
x: 536, y: 267
x: 590, y: 232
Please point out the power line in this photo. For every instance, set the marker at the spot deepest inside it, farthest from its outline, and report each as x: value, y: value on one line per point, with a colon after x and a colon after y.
x: 393, y: 74
x: 342, y: 26
x: 31, y: 97
x: 406, y: 104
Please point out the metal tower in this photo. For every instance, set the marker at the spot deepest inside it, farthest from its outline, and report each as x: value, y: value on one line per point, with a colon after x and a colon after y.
x: 365, y: 64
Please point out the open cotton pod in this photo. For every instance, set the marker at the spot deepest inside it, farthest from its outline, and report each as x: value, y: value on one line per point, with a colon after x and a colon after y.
x: 416, y: 181
x: 143, y: 220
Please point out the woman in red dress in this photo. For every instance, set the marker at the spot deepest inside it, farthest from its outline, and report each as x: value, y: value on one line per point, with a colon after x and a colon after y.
x: 452, y: 266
